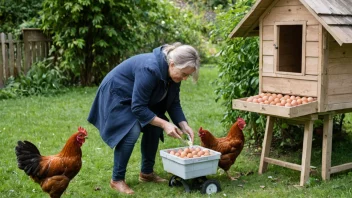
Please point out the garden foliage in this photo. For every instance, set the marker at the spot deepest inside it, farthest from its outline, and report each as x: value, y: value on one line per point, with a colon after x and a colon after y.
x: 238, y: 67
x: 94, y: 36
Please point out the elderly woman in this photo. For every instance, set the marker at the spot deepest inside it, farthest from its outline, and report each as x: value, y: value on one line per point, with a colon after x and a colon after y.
x: 134, y: 98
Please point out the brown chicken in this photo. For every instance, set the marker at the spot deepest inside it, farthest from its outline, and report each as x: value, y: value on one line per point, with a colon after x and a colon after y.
x: 53, y: 172
x: 229, y: 147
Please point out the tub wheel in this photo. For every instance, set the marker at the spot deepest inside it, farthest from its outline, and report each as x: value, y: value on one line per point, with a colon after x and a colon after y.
x: 175, y: 181
x: 210, y: 186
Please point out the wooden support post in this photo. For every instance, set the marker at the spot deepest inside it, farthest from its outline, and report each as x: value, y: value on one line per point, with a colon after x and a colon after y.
x: 327, y: 146
x: 3, y: 59
x: 18, y: 58
x: 306, y: 153
x: 10, y: 71
x: 266, y: 144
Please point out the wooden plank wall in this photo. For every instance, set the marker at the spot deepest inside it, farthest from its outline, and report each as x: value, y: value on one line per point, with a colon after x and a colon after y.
x: 339, y: 72
x: 286, y: 11
x: 17, y: 56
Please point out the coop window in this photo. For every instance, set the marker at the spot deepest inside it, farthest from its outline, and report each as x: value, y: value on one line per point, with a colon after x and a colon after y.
x: 290, y: 48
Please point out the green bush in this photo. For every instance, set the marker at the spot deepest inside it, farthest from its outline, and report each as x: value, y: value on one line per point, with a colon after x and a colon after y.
x: 13, y: 13
x: 238, y: 68
x: 97, y: 35
x: 42, y: 79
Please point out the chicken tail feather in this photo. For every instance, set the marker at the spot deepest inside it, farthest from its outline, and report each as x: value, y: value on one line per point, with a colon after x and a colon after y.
x: 28, y: 157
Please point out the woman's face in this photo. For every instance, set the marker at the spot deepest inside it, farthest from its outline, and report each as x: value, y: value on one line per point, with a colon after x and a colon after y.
x: 177, y: 75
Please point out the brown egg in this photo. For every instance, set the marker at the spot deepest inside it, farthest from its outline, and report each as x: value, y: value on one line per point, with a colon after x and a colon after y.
x: 294, y: 103
x: 283, y: 102
x: 177, y: 154
x: 189, y: 155
x: 250, y: 99
x: 265, y: 98
x: 310, y: 99
x: 274, y: 95
x: 172, y: 152
x: 270, y: 99
x: 272, y: 103
x: 187, y: 150
x: 293, y: 97
x: 288, y: 105
x: 183, y: 154
x: 255, y: 100
x: 299, y: 101
x: 180, y: 150
x: 279, y: 95
x: 198, y: 149
x: 276, y: 100
x: 200, y: 153
x: 194, y: 152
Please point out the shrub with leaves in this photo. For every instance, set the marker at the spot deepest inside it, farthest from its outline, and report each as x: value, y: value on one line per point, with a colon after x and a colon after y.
x: 238, y: 68
x: 95, y: 36
x: 43, y: 78
x: 15, y: 12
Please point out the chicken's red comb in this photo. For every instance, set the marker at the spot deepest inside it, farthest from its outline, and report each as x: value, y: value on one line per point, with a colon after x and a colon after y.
x: 240, y: 119
x: 200, y: 129
x: 82, y: 130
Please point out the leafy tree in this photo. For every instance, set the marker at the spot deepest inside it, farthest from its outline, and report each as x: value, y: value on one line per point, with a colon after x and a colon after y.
x: 238, y: 68
x: 94, y: 36
x: 14, y: 12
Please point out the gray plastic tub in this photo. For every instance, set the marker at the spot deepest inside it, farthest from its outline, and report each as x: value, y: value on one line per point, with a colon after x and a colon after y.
x: 188, y: 168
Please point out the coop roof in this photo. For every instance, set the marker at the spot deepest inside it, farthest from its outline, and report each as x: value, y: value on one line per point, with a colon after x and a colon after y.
x: 335, y: 16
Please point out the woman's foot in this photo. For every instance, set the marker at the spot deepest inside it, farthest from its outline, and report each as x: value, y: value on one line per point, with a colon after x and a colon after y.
x: 151, y: 177
x: 121, y: 186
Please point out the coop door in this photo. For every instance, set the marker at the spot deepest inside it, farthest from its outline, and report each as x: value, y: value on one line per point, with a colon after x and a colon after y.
x: 289, y: 46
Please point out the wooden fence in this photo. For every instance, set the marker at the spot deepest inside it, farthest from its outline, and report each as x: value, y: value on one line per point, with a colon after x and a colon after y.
x: 17, y: 56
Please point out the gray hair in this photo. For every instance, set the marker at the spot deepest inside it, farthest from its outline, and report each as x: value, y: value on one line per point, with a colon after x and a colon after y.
x: 183, y: 56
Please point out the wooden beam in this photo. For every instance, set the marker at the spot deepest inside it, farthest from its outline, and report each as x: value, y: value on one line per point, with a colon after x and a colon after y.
x: 306, y: 151
x: 283, y: 164
x: 266, y: 144
x: 4, y: 60
x: 341, y: 167
x: 327, y: 145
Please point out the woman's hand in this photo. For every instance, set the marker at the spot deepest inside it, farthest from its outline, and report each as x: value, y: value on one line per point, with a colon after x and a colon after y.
x: 172, y: 130
x: 187, y: 129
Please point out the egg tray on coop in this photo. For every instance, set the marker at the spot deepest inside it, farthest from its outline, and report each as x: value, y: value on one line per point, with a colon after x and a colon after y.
x: 280, y: 99
x: 276, y: 104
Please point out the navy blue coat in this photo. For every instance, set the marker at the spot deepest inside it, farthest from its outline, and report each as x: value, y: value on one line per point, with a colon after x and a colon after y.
x: 132, y: 92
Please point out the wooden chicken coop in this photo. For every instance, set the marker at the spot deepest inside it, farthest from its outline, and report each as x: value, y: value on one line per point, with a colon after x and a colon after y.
x: 305, y: 51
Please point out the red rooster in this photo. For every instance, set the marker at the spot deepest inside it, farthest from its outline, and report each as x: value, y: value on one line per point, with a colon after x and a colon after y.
x: 53, y: 172
x: 229, y: 147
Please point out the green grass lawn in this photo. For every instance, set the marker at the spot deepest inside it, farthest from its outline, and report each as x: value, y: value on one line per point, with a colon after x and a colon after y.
x: 49, y: 121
